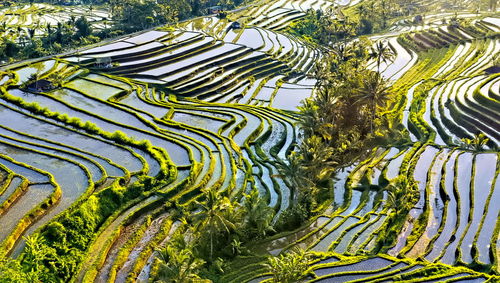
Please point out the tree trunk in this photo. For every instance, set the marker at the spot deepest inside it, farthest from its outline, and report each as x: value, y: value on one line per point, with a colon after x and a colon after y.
x: 211, y: 244
x: 374, y: 108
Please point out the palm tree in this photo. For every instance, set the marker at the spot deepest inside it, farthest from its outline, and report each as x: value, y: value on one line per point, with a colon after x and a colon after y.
x: 399, y: 194
x: 493, y: 5
x: 21, y: 38
x: 49, y: 32
x: 362, y: 11
x: 91, y: 8
x: 259, y: 215
x: 343, y: 30
x: 216, y: 215
x: 31, y: 33
x: 290, y: 267
x: 383, y: 10
x: 308, y: 169
x: 59, y: 32
x: 374, y: 91
x: 477, y: 143
x: 36, y: 251
x: 292, y: 172
x: 177, y: 266
x: 326, y: 23
x: 57, y: 79
x: 381, y: 52
x: 309, y: 119
x: 344, y: 52
x: 319, y: 160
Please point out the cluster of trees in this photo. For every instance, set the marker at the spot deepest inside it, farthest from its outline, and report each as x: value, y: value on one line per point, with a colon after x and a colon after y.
x: 132, y: 15
x: 327, y: 28
x: 367, y: 17
x: 54, y: 253
x: 26, y: 44
x: 126, y: 16
x: 339, y: 124
x: 378, y: 13
x: 477, y: 143
x: 331, y: 26
x: 213, y: 234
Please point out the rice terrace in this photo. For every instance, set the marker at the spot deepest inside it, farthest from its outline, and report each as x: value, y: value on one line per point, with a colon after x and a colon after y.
x: 250, y: 141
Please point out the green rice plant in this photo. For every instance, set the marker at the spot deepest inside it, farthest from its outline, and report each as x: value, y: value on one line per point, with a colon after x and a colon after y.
x: 19, y: 191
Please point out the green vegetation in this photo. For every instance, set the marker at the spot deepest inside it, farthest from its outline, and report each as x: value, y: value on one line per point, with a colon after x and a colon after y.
x: 291, y: 267
x: 124, y: 17
x: 279, y: 142
x: 337, y: 126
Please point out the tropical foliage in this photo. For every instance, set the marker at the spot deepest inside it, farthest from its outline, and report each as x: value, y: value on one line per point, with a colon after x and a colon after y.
x: 289, y: 267
x: 274, y: 142
x: 338, y: 124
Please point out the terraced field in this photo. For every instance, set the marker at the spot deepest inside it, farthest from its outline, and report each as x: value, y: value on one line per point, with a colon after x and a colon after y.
x: 18, y: 19
x: 338, y: 268
x: 206, y: 106
x: 446, y: 96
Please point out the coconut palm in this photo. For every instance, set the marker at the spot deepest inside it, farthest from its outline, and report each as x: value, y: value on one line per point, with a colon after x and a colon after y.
x: 362, y: 11
x: 343, y: 30
x: 344, y: 52
x: 374, y: 91
x: 49, y: 32
x: 308, y: 169
x: 216, y: 215
x: 309, y: 119
x: 292, y: 172
x: 31, y: 33
x: 290, y: 267
x: 477, y: 143
x: 399, y: 193
x: 493, y: 5
x: 258, y: 214
x: 177, y: 266
x: 48, y: 27
x: 381, y: 52
x: 91, y: 8
x: 59, y: 32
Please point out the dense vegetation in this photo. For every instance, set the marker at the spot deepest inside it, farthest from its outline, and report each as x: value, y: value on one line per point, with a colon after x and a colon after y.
x: 124, y: 17
x: 280, y: 142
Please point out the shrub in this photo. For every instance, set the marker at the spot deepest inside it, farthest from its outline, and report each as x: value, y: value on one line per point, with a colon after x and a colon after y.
x: 290, y: 267
x: 119, y: 137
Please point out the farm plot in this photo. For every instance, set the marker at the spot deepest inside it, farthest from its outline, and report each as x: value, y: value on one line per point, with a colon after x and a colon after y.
x: 451, y: 220
x: 240, y: 135
x: 251, y: 65
x: 339, y: 268
x: 39, y: 16
x: 209, y: 135
x: 451, y: 209
x: 164, y: 116
x: 277, y: 15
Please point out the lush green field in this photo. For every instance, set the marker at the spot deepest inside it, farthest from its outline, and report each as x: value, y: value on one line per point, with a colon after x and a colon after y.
x: 163, y: 153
